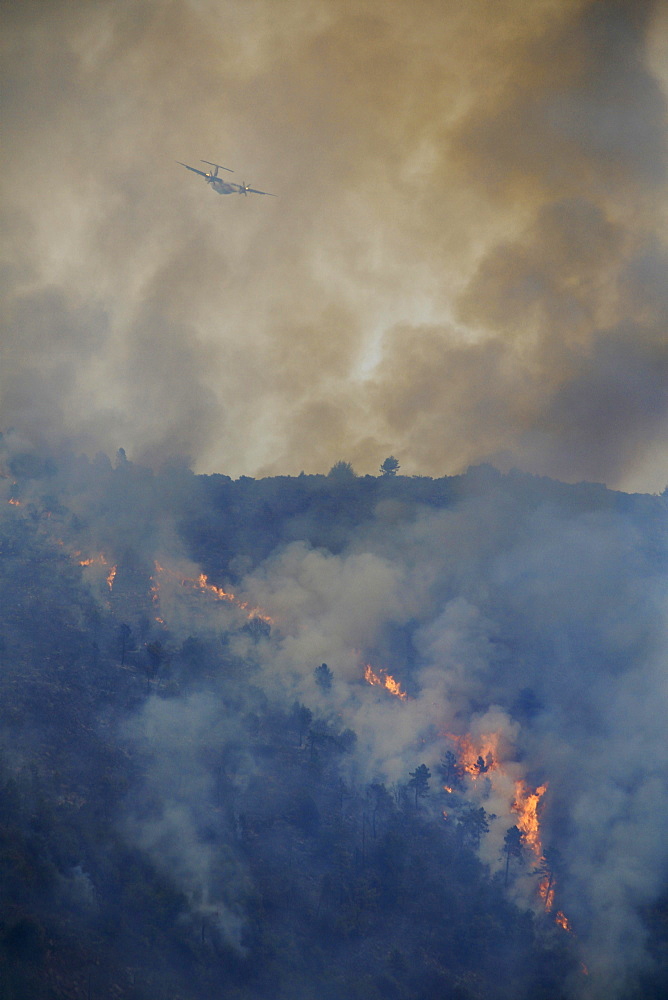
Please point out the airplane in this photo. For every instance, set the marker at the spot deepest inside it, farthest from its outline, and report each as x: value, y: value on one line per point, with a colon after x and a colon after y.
x: 219, y: 185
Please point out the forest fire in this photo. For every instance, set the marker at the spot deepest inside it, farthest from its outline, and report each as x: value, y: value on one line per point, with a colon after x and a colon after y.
x: 99, y: 561
x: 383, y: 679
x: 484, y: 755
x: 480, y: 757
x: 201, y: 585
x: 546, y: 890
x: 222, y: 595
x: 526, y: 807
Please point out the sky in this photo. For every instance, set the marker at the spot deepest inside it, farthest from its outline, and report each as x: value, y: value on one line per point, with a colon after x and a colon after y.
x: 465, y: 262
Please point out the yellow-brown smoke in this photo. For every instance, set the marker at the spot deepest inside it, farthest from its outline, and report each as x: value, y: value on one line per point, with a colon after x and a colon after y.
x: 465, y: 260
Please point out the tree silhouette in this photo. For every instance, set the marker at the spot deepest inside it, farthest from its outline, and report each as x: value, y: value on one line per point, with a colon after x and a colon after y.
x: 420, y: 781
x: 390, y: 466
x: 450, y: 770
x: 512, y: 847
x: 323, y: 677
x: 125, y: 633
x: 549, y: 866
x: 301, y: 717
x: 341, y: 470
x: 471, y: 826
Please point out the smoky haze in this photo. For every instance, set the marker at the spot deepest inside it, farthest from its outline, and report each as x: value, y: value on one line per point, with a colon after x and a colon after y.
x: 502, y: 605
x: 465, y: 262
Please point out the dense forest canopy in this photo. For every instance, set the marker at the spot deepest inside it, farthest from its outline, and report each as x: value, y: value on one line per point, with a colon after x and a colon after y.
x: 353, y: 737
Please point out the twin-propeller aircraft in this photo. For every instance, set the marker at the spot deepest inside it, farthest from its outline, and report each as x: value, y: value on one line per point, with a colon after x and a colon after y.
x: 219, y: 185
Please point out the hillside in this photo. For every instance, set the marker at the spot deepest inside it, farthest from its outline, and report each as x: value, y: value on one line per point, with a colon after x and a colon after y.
x: 353, y: 737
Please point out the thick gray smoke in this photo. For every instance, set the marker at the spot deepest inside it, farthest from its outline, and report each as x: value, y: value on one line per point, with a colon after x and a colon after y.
x: 522, y: 615
x: 465, y: 260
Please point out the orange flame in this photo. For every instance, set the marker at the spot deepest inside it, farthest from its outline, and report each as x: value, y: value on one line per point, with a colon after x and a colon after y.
x: 483, y: 756
x: 546, y: 889
x: 93, y: 561
x: 223, y: 595
x: 98, y: 561
x: 15, y: 503
x: 526, y: 807
x: 486, y: 748
x: 202, y: 584
x: 383, y: 679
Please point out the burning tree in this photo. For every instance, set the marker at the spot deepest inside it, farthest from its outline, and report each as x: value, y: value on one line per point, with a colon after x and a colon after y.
x: 549, y: 866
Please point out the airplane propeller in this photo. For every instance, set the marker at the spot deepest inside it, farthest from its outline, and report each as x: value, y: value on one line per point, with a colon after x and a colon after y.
x: 221, y: 186
x: 247, y: 189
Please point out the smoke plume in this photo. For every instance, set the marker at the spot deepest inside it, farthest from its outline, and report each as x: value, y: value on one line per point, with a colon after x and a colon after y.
x: 465, y: 261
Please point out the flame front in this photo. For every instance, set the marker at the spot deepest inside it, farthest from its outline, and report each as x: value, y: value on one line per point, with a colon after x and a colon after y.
x: 201, y: 584
x: 483, y: 756
x: 546, y: 889
x: 222, y: 595
x: 98, y: 561
x: 526, y: 807
x: 383, y: 679
x: 480, y: 757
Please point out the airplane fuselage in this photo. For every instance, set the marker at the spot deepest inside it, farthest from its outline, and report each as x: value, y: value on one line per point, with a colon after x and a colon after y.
x: 222, y: 187
x: 219, y: 185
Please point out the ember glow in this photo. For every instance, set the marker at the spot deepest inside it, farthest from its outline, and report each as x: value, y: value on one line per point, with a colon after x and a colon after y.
x: 201, y: 585
x: 155, y: 594
x: 222, y: 595
x: 383, y: 679
x: 98, y: 560
x: 480, y: 756
x: 485, y: 755
x: 546, y: 889
x: 93, y: 561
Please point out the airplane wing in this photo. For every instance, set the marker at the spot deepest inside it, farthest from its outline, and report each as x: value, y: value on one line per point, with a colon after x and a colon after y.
x: 194, y: 169
x: 218, y: 165
x: 255, y: 191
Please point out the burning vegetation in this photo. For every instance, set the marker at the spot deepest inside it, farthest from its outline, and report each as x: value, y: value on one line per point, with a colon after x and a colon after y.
x: 206, y: 788
x: 382, y: 679
x: 484, y: 761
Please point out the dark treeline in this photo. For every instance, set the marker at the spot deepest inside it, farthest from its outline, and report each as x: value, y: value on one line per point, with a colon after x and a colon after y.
x: 174, y: 826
